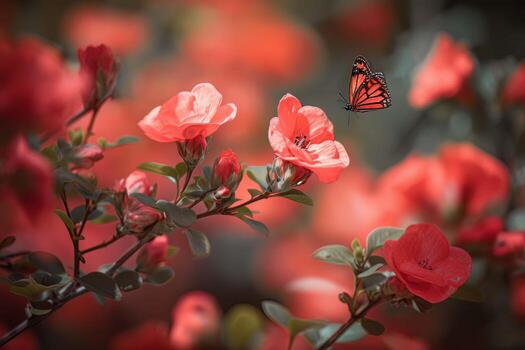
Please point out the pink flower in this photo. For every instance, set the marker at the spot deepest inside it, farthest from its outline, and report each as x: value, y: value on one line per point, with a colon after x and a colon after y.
x: 85, y: 156
x: 188, y: 114
x: 425, y: 263
x: 443, y: 75
x: 38, y: 92
x: 304, y: 136
x: 154, y: 253
x: 99, y: 69
x: 196, y: 321
x: 514, y: 89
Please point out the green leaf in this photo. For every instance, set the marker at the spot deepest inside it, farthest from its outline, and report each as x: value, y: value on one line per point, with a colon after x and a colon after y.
x: 46, y: 262
x: 243, y: 211
x: 199, y: 243
x: 297, y: 326
x: 7, y: 242
x: 161, y: 275
x: 77, y: 214
x: 159, y: 168
x: 76, y: 136
x: 469, y: 293
x: 319, y: 336
x: 297, y: 196
x: 370, y: 270
x: 375, y: 259
x: 124, y: 140
x: 66, y: 220
x: 242, y: 323
x: 27, y: 288
x: 104, y: 219
x: 256, y: 225
x: 128, y: 280
x: 182, y: 217
x: 254, y: 192
x: 372, y: 327
x: 182, y: 169
x: 172, y: 251
x: 377, y: 238
x: 373, y: 281
x: 259, y: 175
x: 101, y: 284
x: 276, y: 312
x: 146, y: 200
x: 335, y: 254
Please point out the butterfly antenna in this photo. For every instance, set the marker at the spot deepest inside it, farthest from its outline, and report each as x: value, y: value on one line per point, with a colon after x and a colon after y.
x: 342, y: 98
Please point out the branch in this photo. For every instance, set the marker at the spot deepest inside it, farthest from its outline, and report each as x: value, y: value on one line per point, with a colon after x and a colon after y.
x: 227, y: 211
x: 101, y: 245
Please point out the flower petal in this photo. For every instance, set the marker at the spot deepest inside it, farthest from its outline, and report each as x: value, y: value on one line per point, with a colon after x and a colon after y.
x: 152, y: 126
x: 208, y: 100
x: 287, y: 112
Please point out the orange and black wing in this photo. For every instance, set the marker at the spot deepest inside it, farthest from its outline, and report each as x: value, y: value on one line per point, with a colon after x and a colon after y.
x: 367, y: 91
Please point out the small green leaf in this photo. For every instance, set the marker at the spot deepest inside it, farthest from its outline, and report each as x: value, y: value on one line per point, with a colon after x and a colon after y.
x: 161, y: 275
x: 182, y: 217
x: 159, y: 168
x: 76, y: 136
x: 242, y: 323
x: 372, y: 327
x: 335, y: 254
x: 375, y: 259
x: 7, y: 242
x: 297, y: 326
x: 182, y: 169
x: 101, y: 284
x: 243, y: 211
x: 297, y: 196
x: 370, y: 270
x: 46, y: 262
x: 146, y: 200
x: 319, y: 336
x: 66, y: 220
x: 256, y: 225
x: 77, y: 214
x: 377, y: 238
x: 373, y: 281
x: 199, y: 243
x: 254, y: 193
x: 128, y: 280
x: 125, y: 140
x: 259, y: 175
x: 469, y: 293
x: 104, y: 219
x: 276, y: 312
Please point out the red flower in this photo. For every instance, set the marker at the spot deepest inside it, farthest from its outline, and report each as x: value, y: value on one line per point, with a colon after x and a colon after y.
x: 518, y: 297
x: 509, y: 244
x: 150, y: 335
x: 27, y: 178
x: 188, y: 115
x: 484, y: 231
x: 196, y: 321
x: 125, y: 32
x: 154, y: 253
x: 85, y: 156
x: 425, y: 263
x: 304, y: 136
x: 226, y: 168
x: 443, y: 75
x: 514, y: 90
x: 38, y: 92
x: 99, y: 69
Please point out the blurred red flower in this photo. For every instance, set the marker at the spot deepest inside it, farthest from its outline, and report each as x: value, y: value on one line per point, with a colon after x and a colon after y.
x: 154, y: 253
x: 425, y: 263
x: 484, y: 231
x: 517, y: 298
x: 188, y: 114
x: 242, y: 43
x: 150, y: 335
x: 124, y: 32
x: 99, y: 69
x: 196, y: 321
x: 443, y: 75
x: 304, y: 136
x: 38, y: 92
x: 514, y: 89
x: 509, y: 244
x: 26, y: 182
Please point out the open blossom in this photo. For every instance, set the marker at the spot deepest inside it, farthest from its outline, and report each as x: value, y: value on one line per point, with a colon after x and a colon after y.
x: 443, y: 75
x: 304, y: 136
x: 425, y: 263
x: 38, y: 92
x: 154, y: 253
x: 196, y: 321
x: 188, y: 114
x: 99, y: 70
x: 514, y: 89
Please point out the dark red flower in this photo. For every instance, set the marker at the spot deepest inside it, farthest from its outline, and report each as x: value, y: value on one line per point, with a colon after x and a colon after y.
x: 514, y: 89
x: 509, y: 244
x: 226, y: 167
x: 484, y: 231
x: 38, y: 91
x: 99, y: 70
x: 425, y: 263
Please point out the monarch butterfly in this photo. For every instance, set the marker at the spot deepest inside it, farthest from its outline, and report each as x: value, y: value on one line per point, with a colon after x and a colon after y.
x: 367, y: 90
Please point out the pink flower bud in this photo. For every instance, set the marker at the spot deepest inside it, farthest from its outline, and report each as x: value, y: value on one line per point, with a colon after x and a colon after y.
x: 99, y: 69
x: 85, y: 156
x: 285, y: 175
x: 137, y: 182
x: 193, y: 150
x: 222, y: 192
x: 154, y: 253
x: 138, y: 217
x: 226, y: 167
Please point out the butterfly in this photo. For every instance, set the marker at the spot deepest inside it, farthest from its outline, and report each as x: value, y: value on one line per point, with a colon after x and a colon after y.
x: 367, y: 90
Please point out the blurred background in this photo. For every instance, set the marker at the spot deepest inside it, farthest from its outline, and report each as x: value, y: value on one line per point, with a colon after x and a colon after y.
x: 254, y: 51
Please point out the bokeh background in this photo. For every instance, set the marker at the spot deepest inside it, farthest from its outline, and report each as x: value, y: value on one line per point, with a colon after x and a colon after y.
x: 254, y: 51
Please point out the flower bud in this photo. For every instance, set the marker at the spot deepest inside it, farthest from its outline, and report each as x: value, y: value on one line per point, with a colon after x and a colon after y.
x: 99, y: 70
x: 222, y: 192
x: 227, y: 170
x: 137, y: 182
x: 193, y: 150
x: 138, y: 217
x: 153, y: 254
x: 85, y: 156
x: 284, y: 175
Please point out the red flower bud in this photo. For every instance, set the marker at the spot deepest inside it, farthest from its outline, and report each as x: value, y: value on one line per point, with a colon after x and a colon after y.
x: 222, y: 192
x: 154, y: 253
x: 85, y: 156
x: 193, y: 150
x: 137, y: 182
x: 138, y: 217
x: 285, y: 175
x: 227, y: 168
x: 99, y: 69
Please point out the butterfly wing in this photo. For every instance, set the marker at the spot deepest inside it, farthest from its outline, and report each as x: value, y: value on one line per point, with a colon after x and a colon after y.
x: 368, y: 91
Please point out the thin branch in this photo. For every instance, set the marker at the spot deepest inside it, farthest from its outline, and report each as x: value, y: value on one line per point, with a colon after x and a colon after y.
x: 89, y: 129
x: 101, y: 245
x: 228, y: 211
x: 14, y: 255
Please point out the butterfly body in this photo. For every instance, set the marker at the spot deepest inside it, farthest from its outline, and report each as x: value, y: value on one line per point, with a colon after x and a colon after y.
x: 367, y: 91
